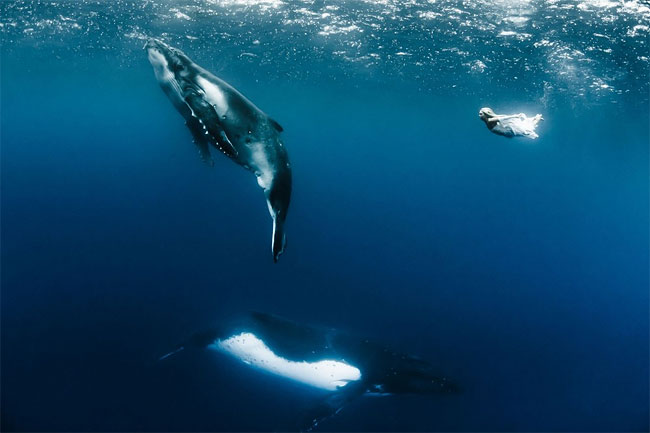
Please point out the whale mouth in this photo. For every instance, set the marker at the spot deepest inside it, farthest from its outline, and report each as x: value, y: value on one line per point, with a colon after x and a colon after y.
x: 153, y: 43
x: 157, y: 59
x: 150, y: 45
x: 155, y: 51
x: 156, y: 46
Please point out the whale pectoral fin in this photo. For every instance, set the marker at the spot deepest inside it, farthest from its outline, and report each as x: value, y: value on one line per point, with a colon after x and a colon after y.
x: 200, y: 140
x: 204, y: 152
x: 225, y: 144
x: 326, y: 409
x: 206, y: 115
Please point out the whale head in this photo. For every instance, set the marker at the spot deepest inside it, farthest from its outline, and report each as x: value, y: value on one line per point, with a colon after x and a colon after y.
x: 171, y: 66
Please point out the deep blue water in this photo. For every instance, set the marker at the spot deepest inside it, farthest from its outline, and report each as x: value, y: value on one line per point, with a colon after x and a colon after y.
x: 517, y: 267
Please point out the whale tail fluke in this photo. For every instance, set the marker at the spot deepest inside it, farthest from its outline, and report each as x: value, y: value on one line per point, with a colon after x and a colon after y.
x: 279, y: 240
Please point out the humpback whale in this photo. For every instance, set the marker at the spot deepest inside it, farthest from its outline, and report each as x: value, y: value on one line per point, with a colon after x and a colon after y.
x: 341, y: 364
x: 220, y: 117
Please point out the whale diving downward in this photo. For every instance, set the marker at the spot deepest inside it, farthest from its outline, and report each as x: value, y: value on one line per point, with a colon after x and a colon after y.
x: 340, y: 364
x: 218, y: 115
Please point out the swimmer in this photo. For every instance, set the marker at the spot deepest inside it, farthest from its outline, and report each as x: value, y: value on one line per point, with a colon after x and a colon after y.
x: 510, y: 125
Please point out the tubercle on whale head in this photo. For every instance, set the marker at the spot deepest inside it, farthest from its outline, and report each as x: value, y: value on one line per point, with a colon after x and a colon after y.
x: 161, y: 53
x: 158, y: 44
x: 158, y: 57
x: 154, y: 45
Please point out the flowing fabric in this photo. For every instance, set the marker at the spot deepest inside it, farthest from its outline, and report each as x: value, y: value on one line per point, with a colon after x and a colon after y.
x: 517, y: 125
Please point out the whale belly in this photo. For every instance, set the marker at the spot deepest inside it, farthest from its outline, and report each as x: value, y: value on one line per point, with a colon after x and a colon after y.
x: 326, y: 374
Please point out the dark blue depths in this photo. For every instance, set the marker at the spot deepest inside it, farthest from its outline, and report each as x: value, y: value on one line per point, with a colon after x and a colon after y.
x: 519, y: 268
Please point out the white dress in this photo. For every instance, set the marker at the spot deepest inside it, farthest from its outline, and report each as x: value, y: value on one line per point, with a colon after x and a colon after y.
x: 516, y: 125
